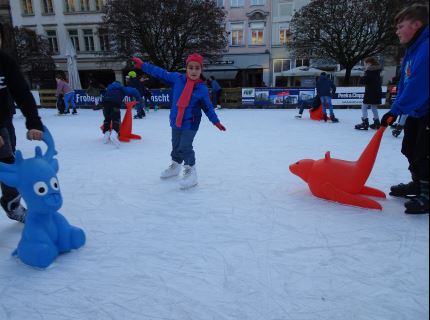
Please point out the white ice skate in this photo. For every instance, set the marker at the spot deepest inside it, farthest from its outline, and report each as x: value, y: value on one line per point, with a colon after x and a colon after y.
x: 114, y: 138
x: 172, y: 171
x: 189, y: 179
x: 106, y: 137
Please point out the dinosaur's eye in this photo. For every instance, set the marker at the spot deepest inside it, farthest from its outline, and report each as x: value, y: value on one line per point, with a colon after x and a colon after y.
x: 54, y: 184
x: 40, y: 188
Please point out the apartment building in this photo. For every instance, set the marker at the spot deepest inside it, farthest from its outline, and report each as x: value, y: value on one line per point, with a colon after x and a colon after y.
x: 78, y: 20
x: 282, y: 59
x: 246, y: 60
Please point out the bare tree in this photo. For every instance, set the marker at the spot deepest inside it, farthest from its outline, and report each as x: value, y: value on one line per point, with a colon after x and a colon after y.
x: 34, y: 57
x: 165, y: 31
x: 345, y: 31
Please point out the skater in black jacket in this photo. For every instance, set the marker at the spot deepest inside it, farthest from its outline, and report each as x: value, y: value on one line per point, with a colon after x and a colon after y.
x: 14, y: 88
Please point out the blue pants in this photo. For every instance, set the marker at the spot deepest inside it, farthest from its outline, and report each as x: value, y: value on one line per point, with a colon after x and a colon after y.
x: 69, y: 98
x: 326, y: 103
x: 182, y: 146
x: 216, y: 96
x: 140, y: 108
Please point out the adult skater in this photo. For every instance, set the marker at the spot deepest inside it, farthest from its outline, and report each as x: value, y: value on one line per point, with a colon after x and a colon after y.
x: 14, y: 88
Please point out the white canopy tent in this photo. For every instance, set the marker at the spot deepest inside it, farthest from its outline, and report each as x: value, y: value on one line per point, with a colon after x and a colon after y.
x: 302, y: 72
x: 355, y: 72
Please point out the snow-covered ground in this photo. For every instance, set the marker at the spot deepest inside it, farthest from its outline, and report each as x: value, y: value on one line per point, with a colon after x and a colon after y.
x: 248, y: 243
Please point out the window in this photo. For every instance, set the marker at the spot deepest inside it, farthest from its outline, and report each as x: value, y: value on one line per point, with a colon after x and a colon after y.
x: 99, y: 5
x: 237, y: 3
x: 302, y: 62
x: 69, y: 6
x: 237, y: 34
x: 257, y: 33
x: 85, y: 5
x: 280, y: 65
x: 88, y: 39
x: 286, y: 9
x: 27, y: 7
x: 52, y: 40
x: 74, y: 36
x: 104, y: 40
x: 47, y: 6
x: 284, y: 35
x: 257, y: 2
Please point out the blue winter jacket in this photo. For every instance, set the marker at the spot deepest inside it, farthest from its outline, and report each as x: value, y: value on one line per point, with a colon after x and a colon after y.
x: 116, y: 92
x: 199, y: 100
x: 215, y: 86
x: 325, y: 87
x: 413, y: 89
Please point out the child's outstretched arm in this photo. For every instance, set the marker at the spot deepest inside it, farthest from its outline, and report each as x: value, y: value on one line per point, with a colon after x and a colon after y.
x: 155, y: 71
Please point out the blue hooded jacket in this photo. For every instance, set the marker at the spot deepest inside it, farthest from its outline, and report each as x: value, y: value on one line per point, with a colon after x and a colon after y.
x: 116, y: 92
x: 199, y: 100
x: 215, y: 86
x: 325, y: 87
x: 413, y: 89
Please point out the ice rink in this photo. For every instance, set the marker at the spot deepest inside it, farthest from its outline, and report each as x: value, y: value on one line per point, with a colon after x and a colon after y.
x: 250, y: 242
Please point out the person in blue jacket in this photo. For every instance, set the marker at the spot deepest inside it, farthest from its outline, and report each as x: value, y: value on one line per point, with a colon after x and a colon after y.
x: 216, y: 92
x: 413, y: 100
x: 325, y: 90
x: 115, y: 94
x: 189, y: 97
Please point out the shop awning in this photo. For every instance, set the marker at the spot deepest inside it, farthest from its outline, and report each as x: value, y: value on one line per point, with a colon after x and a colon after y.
x: 221, y: 74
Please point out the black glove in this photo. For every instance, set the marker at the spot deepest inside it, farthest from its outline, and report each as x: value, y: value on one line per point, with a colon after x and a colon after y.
x: 388, y: 119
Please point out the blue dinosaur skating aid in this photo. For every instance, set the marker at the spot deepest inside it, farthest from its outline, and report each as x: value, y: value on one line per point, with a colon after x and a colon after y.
x: 46, y: 232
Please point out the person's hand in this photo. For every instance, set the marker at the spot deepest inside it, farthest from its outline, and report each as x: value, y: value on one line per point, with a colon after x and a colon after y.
x: 1, y: 142
x: 137, y: 63
x: 388, y: 119
x: 220, y: 126
x: 34, y: 134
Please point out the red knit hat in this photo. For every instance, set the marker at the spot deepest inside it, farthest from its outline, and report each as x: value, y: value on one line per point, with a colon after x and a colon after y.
x: 196, y: 58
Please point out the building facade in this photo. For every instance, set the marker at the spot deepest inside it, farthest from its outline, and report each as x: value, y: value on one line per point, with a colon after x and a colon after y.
x: 256, y: 54
x: 5, y: 12
x: 246, y: 60
x: 78, y: 21
x: 282, y: 59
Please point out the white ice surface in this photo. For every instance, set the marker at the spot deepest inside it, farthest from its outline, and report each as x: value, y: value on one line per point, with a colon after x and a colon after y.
x: 248, y: 243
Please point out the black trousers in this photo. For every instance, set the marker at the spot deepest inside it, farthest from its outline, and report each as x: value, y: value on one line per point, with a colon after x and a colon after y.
x: 415, y: 146
x: 7, y: 155
x: 112, y: 114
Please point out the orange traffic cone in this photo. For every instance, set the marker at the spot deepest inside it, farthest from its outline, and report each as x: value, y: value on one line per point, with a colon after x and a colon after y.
x: 316, y: 114
x: 125, y: 131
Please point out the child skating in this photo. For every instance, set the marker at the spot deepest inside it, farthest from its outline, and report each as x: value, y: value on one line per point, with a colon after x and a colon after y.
x: 115, y: 94
x: 190, y: 96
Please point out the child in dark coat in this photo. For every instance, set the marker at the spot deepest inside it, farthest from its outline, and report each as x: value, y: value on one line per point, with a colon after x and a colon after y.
x: 115, y: 94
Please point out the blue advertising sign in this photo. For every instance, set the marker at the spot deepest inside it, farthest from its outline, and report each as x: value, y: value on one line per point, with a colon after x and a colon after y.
x: 160, y: 97
x: 276, y: 96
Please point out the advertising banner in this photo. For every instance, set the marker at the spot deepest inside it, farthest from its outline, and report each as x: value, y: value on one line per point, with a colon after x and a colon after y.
x: 353, y: 96
x: 160, y: 97
x: 276, y: 96
x: 284, y: 97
